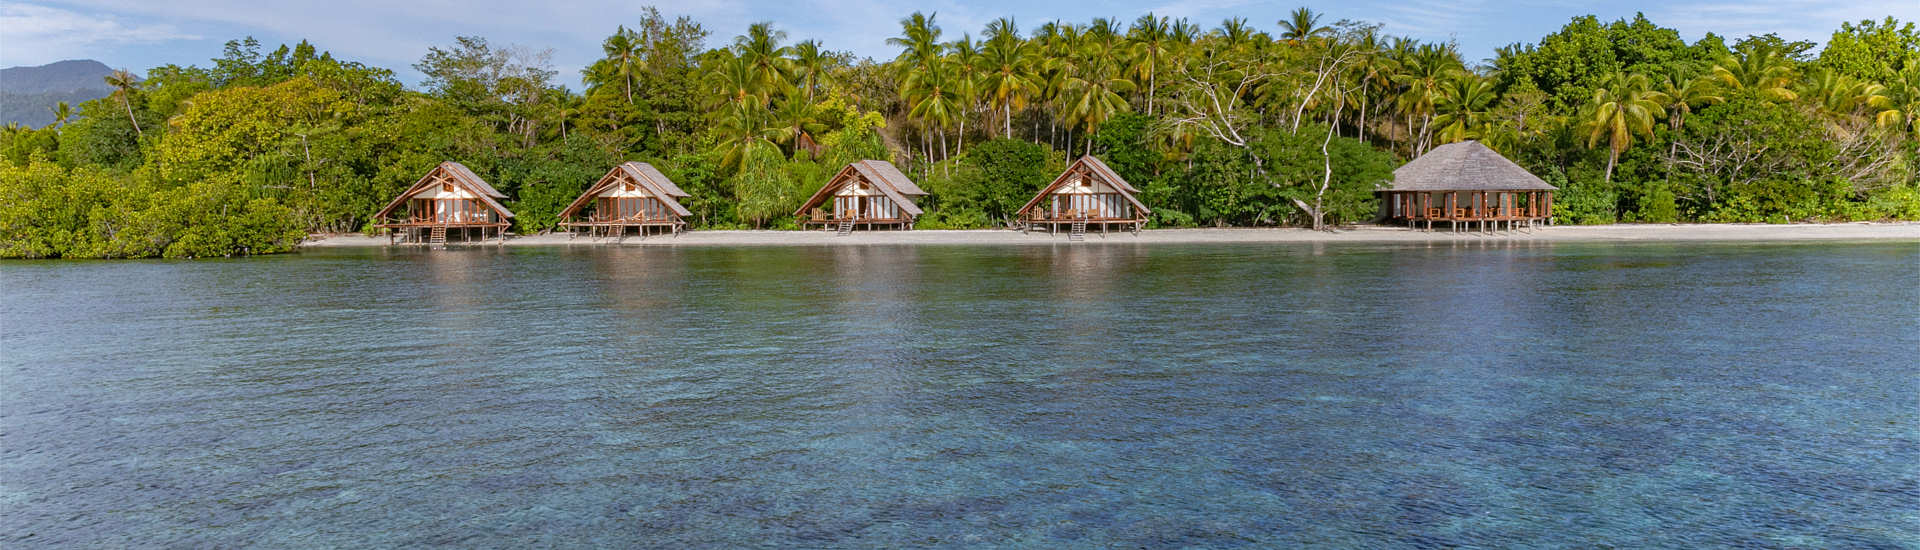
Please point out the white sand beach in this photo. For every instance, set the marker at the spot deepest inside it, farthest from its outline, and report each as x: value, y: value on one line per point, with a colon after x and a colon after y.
x: 1366, y: 233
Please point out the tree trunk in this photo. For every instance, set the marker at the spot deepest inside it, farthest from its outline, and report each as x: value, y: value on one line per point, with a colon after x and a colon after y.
x: 1008, y: 108
x: 308, y: 153
x: 1612, y: 156
x: 126, y: 100
x: 1153, y: 86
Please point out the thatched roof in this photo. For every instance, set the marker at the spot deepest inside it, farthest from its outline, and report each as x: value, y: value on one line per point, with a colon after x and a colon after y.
x: 884, y: 177
x: 641, y: 174
x: 457, y: 175
x: 1093, y: 167
x: 1464, y: 166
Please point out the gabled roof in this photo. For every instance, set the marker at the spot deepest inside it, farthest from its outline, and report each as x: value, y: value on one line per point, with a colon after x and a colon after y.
x: 1092, y: 166
x: 648, y: 172
x: 885, y: 172
x: 455, y: 174
x: 1464, y: 166
x: 642, y: 174
x: 1108, y: 173
x: 882, y: 174
x: 485, y: 188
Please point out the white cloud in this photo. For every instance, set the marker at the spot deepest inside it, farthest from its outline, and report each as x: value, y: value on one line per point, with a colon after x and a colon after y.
x: 33, y: 34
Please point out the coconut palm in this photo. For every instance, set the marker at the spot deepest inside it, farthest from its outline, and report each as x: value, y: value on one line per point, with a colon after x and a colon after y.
x: 1898, y: 107
x: 623, y: 57
x: 1421, y: 73
x: 1009, y: 67
x: 733, y: 81
x: 809, y: 65
x: 965, y: 60
x: 124, y: 84
x: 796, y: 123
x: 1679, y: 92
x: 1235, y: 34
x: 61, y: 112
x: 1463, y: 108
x: 1302, y: 25
x: 1150, y: 47
x: 1760, y: 68
x: 1619, y: 111
x: 1094, y: 95
x: 1840, y: 98
x: 762, y: 51
x: 743, y: 130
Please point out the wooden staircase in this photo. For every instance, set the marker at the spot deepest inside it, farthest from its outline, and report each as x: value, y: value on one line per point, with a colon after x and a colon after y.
x: 1079, y: 231
x: 438, y: 236
x: 846, y: 227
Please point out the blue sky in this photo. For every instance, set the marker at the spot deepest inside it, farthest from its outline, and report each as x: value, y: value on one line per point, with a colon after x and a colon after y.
x: 139, y: 34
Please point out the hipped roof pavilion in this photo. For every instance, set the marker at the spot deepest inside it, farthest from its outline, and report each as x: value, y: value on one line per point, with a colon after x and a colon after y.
x: 1466, y: 181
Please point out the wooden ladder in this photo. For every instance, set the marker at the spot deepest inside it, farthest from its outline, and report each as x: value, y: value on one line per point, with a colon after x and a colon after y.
x: 438, y: 236
x: 1079, y: 231
x: 846, y: 227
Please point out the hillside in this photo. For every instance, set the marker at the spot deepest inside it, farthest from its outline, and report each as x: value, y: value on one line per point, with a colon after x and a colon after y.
x: 27, y: 93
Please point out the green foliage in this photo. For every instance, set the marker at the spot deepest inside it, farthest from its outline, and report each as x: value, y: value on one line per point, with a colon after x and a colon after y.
x: 763, y: 187
x: 1584, y: 199
x: 999, y: 177
x: 1222, y: 126
x: 1300, y: 169
x: 1870, y: 50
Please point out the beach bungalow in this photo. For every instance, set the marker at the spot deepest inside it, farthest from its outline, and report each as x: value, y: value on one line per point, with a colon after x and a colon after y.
x: 449, y: 202
x: 634, y: 195
x: 869, y: 193
x: 1087, y: 193
x: 1465, y: 182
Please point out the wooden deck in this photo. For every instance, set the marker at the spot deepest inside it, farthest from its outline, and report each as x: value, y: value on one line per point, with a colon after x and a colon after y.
x: 830, y: 222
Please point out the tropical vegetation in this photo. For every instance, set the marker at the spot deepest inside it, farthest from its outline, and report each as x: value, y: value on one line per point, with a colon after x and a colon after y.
x: 1221, y: 125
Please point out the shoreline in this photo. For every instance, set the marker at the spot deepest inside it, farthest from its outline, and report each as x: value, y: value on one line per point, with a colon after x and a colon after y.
x: 1362, y: 234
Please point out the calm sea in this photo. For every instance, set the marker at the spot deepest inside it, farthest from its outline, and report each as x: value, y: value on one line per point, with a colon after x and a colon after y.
x: 1096, y: 395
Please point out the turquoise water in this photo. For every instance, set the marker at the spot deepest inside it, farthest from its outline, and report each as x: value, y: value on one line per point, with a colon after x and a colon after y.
x: 1529, y: 395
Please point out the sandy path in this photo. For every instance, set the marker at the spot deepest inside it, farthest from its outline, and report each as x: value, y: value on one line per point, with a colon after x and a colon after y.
x: 1726, y: 232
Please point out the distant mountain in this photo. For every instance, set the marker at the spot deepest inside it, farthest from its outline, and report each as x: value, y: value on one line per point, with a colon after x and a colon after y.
x: 27, y: 94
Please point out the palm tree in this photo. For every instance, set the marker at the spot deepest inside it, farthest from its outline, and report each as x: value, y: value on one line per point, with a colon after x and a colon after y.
x: 1094, y: 95
x: 124, y: 84
x: 733, y: 81
x: 809, y: 65
x: 1302, y: 25
x: 1422, y: 72
x: 564, y: 107
x: 1757, y: 67
x: 1234, y: 33
x: 1463, y: 108
x: 1680, y: 92
x: 933, y: 100
x: 761, y: 49
x: 743, y: 130
x: 1622, y: 109
x: 796, y: 123
x: 965, y: 60
x: 1899, y: 106
x: 1009, y: 66
x: 1151, y: 45
x: 61, y: 112
x: 623, y: 55
x: 1839, y: 97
